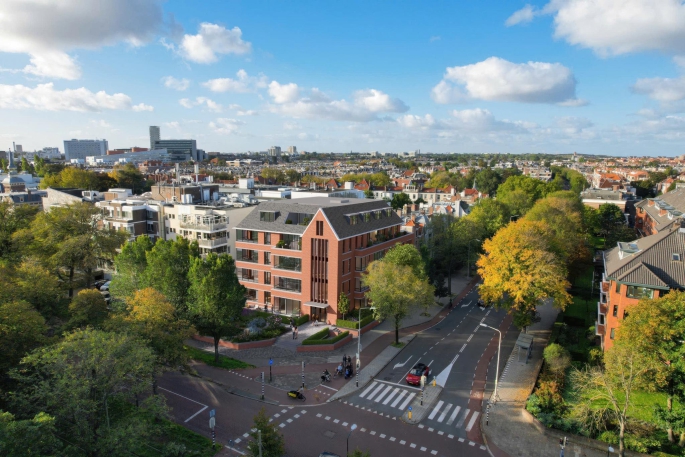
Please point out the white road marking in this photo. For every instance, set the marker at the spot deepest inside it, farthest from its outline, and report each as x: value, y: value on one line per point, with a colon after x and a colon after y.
x: 189, y: 399
x: 444, y: 412
x: 472, y: 421
x: 368, y: 389
x: 435, y: 410
x: 390, y: 397
x: 462, y: 348
x: 454, y: 415
x: 406, y: 402
x: 463, y: 418
x: 383, y: 394
x: 398, y: 399
x: 375, y: 392
x: 398, y: 365
x: 469, y: 339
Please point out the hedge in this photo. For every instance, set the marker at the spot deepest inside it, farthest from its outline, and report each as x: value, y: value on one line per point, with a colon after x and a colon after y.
x: 311, y: 342
x: 354, y: 324
x: 302, y: 319
x: 321, y: 334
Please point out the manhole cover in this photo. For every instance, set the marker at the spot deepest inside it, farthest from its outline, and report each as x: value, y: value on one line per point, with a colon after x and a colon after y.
x: 329, y: 434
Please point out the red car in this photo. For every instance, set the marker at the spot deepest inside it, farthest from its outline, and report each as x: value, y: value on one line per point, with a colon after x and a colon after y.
x: 414, y: 375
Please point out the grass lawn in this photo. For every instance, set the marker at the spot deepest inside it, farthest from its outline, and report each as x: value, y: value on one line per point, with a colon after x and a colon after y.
x: 582, y: 309
x: 208, y: 358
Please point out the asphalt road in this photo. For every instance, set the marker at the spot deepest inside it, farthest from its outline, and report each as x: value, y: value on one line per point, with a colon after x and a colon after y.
x: 452, y: 348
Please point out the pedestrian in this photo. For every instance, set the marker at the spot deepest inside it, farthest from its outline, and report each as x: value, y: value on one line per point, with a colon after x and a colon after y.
x: 344, y: 360
x: 296, y: 332
x: 292, y: 327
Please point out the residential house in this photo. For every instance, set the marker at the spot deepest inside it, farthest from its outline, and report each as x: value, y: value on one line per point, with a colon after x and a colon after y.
x: 653, y: 215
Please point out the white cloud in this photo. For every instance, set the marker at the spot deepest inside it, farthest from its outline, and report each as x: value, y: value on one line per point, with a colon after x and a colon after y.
x: 172, y: 124
x: 377, y: 101
x: 213, y: 39
x: 471, y: 121
x: 244, y: 83
x: 248, y: 112
x: 47, y: 29
x: 291, y: 126
x: 284, y: 93
x: 522, y: 16
x: 500, y: 80
x: 661, y: 89
x: 226, y: 126
x: 209, y: 103
x: 177, y: 84
x: 412, y: 121
x: 680, y: 61
x: 143, y: 107
x: 101, y: 123
x: 45, y: 97
x: 53, y: 64
x: 612, y: 27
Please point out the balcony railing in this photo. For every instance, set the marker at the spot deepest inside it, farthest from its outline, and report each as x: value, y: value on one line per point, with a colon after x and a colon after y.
x: 290, y: 264
x: 248, y: 278
x: 213, y: 242
x: 294, y: 245
x: 247, y: 259
x: 209, y: 226
x: 288, y: 288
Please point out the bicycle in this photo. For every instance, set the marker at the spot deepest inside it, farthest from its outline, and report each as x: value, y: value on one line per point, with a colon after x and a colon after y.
x: 297, y: 395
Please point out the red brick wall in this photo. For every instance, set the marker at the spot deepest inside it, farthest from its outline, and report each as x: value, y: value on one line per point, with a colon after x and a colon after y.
x: 623, y: 303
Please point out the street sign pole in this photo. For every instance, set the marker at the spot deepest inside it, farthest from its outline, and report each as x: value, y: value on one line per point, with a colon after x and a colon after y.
x: 359, y: 364
x: 212, y: 424
x: 423, y: 385
x: 262, y: 385
x: 271, y: 362
x: 303, y: 375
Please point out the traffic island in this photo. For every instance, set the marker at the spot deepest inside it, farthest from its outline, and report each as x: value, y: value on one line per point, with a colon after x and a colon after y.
x: 419, y: 411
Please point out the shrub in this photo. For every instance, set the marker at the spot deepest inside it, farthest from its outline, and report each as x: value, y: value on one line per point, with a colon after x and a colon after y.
x: 557, y: 358
x: 321, y: 334
x: 311, y: 342
x: 288, y: 221
x: 265, y: 334
x: 549, y: 397
x: 302, y: 319
x: 355, y: 324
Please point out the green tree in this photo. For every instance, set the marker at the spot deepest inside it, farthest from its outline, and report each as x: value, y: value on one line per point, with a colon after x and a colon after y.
x: 28, y: 437
x: 395, y: 290
x: 130, y: 265
x: 216, y: 298
x: 273, y: 173
x: 400, y: 200
x: 611, y: 221
x: 128, y: 176
x: 32, y: 282
x: 343, y: 304
x: 487, y: 181
x: 519, y: 270
x: 380, y: 179
x: 408, y: 256
x: 26, y: 166
x: 490, y: 214
x: 518, y: 202
x: 88, y: 308
x: 273, y: 444
x: 77, y: 178
x: 358, y: 453
x: 533, y: 188
x: 12, y: 219
x: 368, y: 193
x: 292, y: 175
x: 167, y: 269
x: 69, y: 241
x: 22, y: 329
x: 86, y: 382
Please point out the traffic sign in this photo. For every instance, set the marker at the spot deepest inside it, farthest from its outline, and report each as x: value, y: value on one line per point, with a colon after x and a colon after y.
x: 212, y: 422
x: 410, y: 408
x: 271, y: 361
x: 212, y: 413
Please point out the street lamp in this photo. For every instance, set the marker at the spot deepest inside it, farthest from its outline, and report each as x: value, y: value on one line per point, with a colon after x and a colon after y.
x: 468, y: 259
x: 359, y: 341
x: 352, y: 428
x: 499, y: 347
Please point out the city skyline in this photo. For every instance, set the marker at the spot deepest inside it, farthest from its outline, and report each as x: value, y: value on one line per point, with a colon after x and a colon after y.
x: 544, y: 77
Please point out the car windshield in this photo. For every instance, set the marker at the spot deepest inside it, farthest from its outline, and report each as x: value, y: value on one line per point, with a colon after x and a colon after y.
x: 417, y: 371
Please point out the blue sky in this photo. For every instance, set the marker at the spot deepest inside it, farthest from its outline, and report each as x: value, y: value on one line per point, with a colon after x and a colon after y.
x: 600, y: 77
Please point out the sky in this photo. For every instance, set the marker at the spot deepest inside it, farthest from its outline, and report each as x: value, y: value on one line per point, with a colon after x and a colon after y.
x: 487, y: 76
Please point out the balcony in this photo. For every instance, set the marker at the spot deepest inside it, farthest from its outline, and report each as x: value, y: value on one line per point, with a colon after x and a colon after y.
x: 207, y: 223
x: 213, y: 242
x: 293, y: 245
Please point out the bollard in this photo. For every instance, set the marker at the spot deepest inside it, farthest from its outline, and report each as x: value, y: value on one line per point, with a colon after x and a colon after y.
x: 262, y: 385
x: 409, y: 415
x: 434, y: 381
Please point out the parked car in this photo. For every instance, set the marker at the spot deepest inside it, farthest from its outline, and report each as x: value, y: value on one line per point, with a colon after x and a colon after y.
x: 99, y: 283
x: 328, y: 454
x: 107, y: 297
x: 105, y: 287
x: 414, y: 375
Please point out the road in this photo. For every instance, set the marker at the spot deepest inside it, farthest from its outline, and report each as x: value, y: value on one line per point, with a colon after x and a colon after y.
x: 452, y: 348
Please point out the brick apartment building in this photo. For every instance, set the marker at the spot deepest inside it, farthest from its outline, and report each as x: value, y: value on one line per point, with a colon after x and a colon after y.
x: 296, y: 257
x: 652, y: 215
x: 646, y: 268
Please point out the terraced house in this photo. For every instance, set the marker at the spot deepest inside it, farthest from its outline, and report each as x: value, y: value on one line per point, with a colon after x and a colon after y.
x: 653, y: 215
x: 646, y: 268
x: 296, y: 257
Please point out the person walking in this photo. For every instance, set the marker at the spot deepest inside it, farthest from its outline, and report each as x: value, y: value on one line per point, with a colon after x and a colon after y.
x: 296, y: 332
x: 292, y: 327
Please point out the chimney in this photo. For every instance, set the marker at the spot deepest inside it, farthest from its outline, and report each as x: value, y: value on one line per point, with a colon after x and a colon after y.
x: 615, y: 187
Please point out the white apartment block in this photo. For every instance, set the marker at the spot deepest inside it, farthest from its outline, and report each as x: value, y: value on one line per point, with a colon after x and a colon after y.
x: 80, y: 149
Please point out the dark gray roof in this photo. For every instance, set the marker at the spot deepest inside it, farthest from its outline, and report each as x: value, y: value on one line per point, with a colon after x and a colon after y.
x: 673, y: 202
x: 652, y: 265
x: 335, y: 210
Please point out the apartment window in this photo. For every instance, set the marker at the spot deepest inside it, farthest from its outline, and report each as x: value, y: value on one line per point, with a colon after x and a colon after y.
x: 151, y: 215
x: 267, y: 216
x: 388, y: 212
x: 267, y: 298
x: 618, y: 287
x: 267, y: 277
x: 378, y: 214
x: 246, y: 255
x: 354, y: 218
x: 378, y: 255
x: 361, y: 263
x: 267, y: 238
x: 367, y: 217
x: 319, y: 228
x: 358, y: 286
x: 639, y: 292
x: 150, y: 228
x: 612, y: 334
x: 601, y: 319
x: 249, y: 236
x: 246, y: 274
x: 615, y: 313
x: 267, y: 258
x: 293, y: 285
x: 251, y: 294
x: 287, y: 305
x: 625, y: 314
x: 347, y: 245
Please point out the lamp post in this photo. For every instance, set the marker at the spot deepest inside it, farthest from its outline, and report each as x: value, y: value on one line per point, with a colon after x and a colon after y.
x: 359, y: 342
x: 352, y: 428
x: 468, y: 259
x: 499, y: 347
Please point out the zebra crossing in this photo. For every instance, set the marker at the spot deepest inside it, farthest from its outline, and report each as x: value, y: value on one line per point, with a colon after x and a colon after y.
x: 380, y: 395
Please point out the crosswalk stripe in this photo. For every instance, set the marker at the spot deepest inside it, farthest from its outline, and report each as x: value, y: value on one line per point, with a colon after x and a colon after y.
x: 406, y: 402
x: 392, y: 394
x: 463, y: 418
x: 444, y: 412
x: 454, y: 415
x: 472, y: 421
x: 368, y: 389
x: 435, y: 410
x: 383, y: 394
x: 373, y: 394
x: 398, y: 399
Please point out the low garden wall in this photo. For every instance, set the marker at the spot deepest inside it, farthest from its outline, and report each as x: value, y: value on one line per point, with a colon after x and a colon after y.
x: 324, y: 340
x: 237, y: 346
x: 368, y: 327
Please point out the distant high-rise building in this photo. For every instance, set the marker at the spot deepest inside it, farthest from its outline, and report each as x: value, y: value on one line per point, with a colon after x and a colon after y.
x: 275, y: 151
x: 154, y: 136
x: 80, y: 149
x: 179, y: 148
x: 19, y: 150
x: 292, y: 150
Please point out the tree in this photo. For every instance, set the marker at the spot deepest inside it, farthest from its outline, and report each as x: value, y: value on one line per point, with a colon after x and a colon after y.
x: 12, y: 219
x: 29, y: 437
x: 216, y: 297
x: 31, y: 282
x: 394, y: 290
x: 153, y: 319
x: 533, y: 188
x: 72, y: 177
x: 88, y: 308
x: 128, y: 177
x: 519, y: 270
x: 518, y: 201
x: 399, y: 201
x: 380, y: 179
x: 273, y: 173
x: 605, y: 394
x: 408, y: 256
x: 292, y: 175
x: 168, y: 263
x: 343, y: 304
x: 656, y: 329
x: 273, y: 444
x: 69, y: 240
x: 22, y: 329
x: 86, y: 382
x: 26, y: 166
x: 358, y: 453
x: 490, y: 214
x: 130, y: 265
x: 610, y: 221
x: 368, y: 193
x: 487, y: 181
